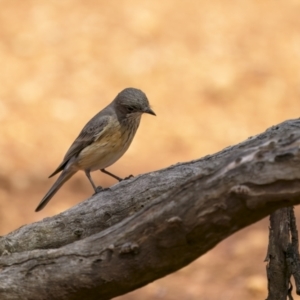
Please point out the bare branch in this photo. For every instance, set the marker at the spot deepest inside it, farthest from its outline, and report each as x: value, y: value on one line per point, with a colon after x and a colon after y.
x: 152, y: 225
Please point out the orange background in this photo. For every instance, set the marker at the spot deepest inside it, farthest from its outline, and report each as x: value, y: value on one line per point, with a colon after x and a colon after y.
x: 215, y: 72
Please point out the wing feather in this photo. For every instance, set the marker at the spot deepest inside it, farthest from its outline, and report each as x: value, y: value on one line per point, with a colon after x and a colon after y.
x: 92, y: 130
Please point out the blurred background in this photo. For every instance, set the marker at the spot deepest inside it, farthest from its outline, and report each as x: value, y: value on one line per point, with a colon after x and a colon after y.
x: 215, y: 72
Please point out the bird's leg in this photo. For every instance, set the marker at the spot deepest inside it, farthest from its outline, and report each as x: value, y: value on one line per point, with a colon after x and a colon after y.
x: 115, y: 176
x: 96, y: 189
x: 112, y: 175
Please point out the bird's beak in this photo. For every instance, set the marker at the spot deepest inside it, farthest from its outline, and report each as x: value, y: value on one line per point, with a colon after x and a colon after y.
x: 149, y: 111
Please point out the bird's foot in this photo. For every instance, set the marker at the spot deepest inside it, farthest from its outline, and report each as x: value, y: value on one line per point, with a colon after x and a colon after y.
x: 98, y: 190
x: 128, y: 177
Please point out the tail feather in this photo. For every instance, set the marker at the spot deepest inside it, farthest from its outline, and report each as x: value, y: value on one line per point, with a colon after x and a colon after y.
x: 63, y: 177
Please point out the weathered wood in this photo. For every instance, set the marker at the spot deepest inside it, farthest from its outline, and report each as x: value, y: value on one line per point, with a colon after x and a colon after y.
x: 154, y: 224
x: 278, y: 271
x: 283, y: 255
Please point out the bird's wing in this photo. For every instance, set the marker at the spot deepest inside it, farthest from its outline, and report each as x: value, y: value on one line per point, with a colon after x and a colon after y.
x: 92, y: 130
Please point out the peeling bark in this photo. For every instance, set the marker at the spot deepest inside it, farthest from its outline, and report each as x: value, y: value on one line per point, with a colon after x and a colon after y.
x: 149, y: 226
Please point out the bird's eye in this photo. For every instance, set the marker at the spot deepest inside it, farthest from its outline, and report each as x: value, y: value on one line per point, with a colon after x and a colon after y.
x: 130, y: 109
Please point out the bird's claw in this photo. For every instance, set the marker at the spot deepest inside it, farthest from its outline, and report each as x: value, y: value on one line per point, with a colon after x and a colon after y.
x: 128, y: 177
x: 98, y: 190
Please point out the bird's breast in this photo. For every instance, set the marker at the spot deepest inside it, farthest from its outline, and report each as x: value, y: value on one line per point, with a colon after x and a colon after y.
x: 108, y: 146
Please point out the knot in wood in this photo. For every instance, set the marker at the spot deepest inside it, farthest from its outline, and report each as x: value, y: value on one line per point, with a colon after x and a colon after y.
x: 240, y: 190
x: 175, y: 220
x: 5, y: 252
x: 129, y: 248
x: 78, y: 232
x: 111, y: 247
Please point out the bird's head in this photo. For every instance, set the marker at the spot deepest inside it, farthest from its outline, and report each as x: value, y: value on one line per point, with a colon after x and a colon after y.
x: 132, y: 101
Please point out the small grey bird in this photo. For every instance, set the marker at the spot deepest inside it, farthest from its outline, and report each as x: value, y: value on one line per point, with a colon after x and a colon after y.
x: 103, y: 140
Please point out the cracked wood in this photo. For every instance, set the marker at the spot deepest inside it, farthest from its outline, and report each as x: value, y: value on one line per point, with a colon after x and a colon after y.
x: 154, y: 224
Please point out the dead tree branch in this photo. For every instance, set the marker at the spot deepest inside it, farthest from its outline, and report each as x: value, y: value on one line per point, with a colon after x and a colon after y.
x: 283, y: 255
x: 147, y: 227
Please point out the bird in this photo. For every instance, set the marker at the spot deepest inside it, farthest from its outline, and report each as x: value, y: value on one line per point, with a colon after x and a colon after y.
x: 103, y: 140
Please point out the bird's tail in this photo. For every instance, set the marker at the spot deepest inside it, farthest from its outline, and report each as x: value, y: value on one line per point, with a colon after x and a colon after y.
x: 63, y: 177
